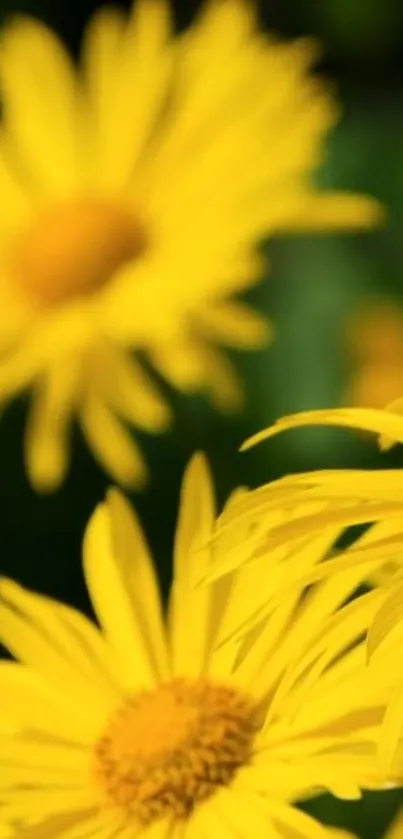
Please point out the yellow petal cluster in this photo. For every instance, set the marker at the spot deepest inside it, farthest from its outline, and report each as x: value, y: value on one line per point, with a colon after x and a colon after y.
x: 343, y: 498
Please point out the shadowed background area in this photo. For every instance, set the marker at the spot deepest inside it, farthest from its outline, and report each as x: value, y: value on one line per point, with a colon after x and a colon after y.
x: 336, y: 301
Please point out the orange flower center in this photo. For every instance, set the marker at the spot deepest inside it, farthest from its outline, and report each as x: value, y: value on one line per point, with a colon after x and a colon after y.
x: 165, y: 751
x: 73, y: 249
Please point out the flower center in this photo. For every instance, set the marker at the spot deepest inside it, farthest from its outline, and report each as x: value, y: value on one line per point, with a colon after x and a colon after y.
x: 74, y: 248
x: 163, y: 752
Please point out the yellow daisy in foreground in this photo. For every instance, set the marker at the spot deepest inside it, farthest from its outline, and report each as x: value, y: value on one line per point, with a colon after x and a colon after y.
x: 156, y: 728
x: 135, y: 190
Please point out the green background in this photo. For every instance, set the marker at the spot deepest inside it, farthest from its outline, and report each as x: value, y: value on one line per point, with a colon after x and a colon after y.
x: 315, y: 284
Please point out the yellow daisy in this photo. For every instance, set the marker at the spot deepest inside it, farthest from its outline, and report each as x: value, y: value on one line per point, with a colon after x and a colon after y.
x: 158, y: 728
x: 135, y: 190
x: 375, y: 354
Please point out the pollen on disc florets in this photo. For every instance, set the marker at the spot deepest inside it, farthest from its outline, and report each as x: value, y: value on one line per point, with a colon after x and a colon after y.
x: 167, y: 750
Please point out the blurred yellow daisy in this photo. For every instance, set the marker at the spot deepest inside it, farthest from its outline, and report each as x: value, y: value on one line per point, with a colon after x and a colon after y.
x: 181, y: 727
x: 374, y: 343
x: 135, y: 190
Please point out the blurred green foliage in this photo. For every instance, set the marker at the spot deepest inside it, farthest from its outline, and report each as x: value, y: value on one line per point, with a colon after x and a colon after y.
x: 315, y: 285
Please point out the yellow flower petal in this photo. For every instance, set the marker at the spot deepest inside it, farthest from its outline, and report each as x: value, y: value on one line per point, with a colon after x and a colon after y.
x: 127, y: 63
x: 307, y: 646
x: 235, y: 324
x: 388, y: 623
x: 106, y: 571
x: 139, y: 578
x: 336, y: 639
x: 362, y: 513
x: 189, y: 606
x: 16, y: 205
x: 47, y: 443
x: 38, y: 80
x: 322, y: 211
x: 240, y: 614
x: 244, y: 812
x: 63, y: 334
x: 33, y: 628
x: 129, y: 390
x: 299, y: 823
x: 221, y: 380
x: 365, y: 419
x: 318, y: 773
x: 181, y: 362
x: 58, y: 824
x: 211, y: 823
x: 101, y: 56
x: 391, y: 730
x: 31, y: 805
x: 29, y: 703
x: 42, y: 766
x: 112, y: 444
